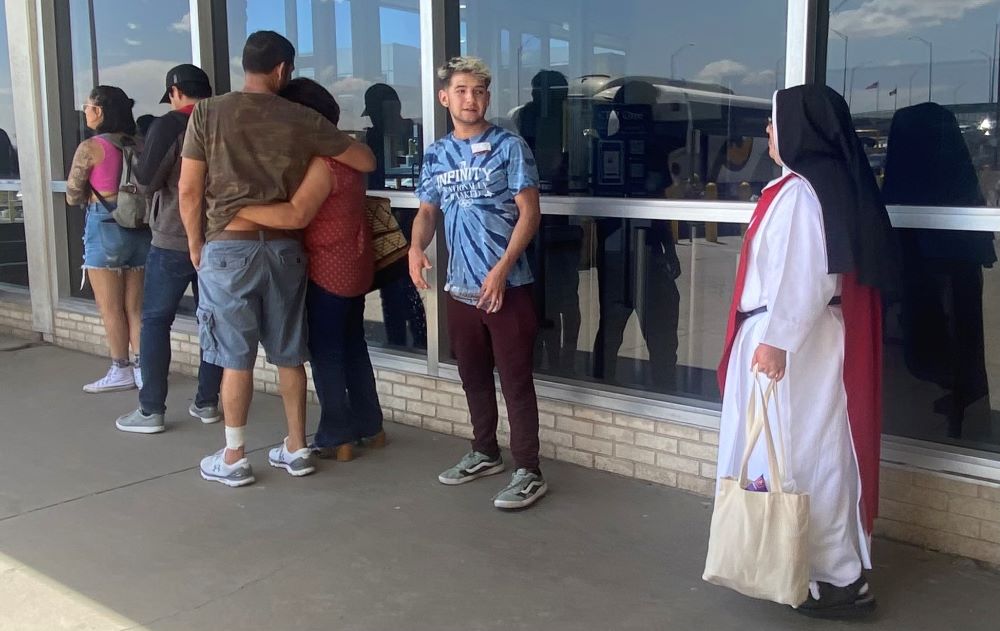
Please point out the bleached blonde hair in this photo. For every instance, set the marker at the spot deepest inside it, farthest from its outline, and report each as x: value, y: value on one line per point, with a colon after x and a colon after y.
x: 464, y: 65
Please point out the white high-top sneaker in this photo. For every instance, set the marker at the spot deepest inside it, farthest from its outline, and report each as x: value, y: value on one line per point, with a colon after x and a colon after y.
x: 118, y: 378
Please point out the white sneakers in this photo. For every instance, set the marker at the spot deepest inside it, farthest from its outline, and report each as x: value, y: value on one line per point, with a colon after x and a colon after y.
x: 118, y: 378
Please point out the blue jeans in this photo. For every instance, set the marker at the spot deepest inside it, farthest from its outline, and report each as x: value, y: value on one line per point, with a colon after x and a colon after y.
x: 341, y: 368
x: 168, y: 274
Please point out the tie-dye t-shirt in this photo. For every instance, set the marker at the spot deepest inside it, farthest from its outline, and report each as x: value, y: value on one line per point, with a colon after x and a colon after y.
x: 474, y: 182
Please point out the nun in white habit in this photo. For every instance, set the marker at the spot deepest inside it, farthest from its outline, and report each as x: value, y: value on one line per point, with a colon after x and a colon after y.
x: 806, y: 312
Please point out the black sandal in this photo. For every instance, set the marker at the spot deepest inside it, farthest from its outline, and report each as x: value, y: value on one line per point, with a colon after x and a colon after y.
x: 852, y: 601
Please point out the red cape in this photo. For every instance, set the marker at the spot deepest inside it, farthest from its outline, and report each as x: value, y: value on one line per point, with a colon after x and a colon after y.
x: 862, y: 310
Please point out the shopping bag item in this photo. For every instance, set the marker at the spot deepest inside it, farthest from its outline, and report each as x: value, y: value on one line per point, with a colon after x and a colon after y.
x: 388, y: 242
x: 759, y: 541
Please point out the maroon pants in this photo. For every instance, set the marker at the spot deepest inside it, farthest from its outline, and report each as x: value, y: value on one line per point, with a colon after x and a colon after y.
x: 505, y: 340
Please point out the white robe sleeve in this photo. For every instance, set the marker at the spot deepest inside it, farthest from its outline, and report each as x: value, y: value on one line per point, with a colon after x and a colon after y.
x: 796, y: 282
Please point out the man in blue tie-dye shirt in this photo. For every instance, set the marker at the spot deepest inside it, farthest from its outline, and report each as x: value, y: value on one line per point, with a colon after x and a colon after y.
x: 485, y: 181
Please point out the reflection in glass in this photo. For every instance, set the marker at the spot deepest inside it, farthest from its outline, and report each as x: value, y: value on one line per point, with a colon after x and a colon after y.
x: 923, y: 94
x: 939, y: 310
x: 394, y: 316
x: 590, y: 84
x: 367, y: 53
x: 629, y: 303
x: 132, y: 46
x: 13, y: 248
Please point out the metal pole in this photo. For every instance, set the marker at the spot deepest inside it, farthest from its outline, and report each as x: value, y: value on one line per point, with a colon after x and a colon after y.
x: 95, y: 74
x: 993, y: 56
x: 930, y: 64
x: 989, y: 78
x: 673, y: 74
x: 843, y: 37
x: 850, y: 93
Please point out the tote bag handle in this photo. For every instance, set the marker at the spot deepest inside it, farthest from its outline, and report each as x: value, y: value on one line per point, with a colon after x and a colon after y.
x: 757, y: 423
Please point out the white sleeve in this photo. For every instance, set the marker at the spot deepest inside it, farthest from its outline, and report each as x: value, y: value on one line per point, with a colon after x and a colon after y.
x: 796, y: 280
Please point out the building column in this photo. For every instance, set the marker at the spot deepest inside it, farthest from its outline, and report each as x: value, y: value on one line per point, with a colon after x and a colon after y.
x: 30, y: 124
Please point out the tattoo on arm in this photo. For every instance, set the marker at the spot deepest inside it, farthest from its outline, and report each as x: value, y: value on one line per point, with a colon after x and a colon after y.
x: 78, y: 181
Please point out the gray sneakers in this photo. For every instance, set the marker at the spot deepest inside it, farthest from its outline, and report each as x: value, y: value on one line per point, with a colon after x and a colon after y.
x: 525, y: 488
x: 472, y: 466
x: 206, y: 414
x: 139, y: 423
x: 297, y: 463
x: 214, y: 468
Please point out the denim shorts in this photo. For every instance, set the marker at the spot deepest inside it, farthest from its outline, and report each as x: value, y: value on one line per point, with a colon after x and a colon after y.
x: 106, y: 245
x: 252, y: 292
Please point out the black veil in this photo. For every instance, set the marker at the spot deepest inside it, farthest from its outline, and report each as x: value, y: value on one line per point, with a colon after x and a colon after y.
x: 816, y: 140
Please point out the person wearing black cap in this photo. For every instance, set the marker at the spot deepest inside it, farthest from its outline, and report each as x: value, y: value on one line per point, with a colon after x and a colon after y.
x: 806, y: 311
x: 169, y: 271
x: 390, y: 134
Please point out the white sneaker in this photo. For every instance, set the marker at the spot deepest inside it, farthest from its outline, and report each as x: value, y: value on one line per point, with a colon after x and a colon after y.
x: 137, y: 376
x: 118, y: 378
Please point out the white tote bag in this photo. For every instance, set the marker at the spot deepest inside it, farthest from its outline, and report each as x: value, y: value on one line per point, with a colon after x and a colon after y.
x: 759, y: 542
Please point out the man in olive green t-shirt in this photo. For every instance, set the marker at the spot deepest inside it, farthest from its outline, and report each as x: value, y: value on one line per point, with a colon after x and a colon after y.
x: 243, y: 148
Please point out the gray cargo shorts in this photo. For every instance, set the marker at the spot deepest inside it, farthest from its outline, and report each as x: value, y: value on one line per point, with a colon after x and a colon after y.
x: 252, y: 291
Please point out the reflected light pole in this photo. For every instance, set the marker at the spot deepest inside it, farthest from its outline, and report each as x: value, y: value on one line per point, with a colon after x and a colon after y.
x: 992, y: 61
x: 851, y: 86
x: 843, y: 37
x: 909, y: 93
x: 930, y: 63
x: 673, y: 56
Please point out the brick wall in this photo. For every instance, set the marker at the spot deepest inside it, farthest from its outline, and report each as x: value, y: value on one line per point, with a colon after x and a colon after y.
x: 15, y: 319
x: 941, y: 512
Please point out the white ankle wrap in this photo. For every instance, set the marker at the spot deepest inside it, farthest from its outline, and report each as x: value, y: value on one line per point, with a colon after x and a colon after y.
x: 234, y: 437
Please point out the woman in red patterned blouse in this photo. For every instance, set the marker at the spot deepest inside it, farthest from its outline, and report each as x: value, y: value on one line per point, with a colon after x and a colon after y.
x: 330, y: 204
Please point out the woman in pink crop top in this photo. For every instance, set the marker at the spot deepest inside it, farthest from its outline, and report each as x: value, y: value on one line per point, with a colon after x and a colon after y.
x: 330, y: 204
x: 113, y: 257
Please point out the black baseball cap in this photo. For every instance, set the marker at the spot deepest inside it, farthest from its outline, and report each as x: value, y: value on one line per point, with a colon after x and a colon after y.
x: 184, y: 73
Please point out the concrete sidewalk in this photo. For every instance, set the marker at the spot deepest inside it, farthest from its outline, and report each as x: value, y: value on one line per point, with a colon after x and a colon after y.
x: 105, y: 530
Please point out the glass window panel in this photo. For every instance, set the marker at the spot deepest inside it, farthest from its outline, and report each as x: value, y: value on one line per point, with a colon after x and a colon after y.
x: 636, y: 98
x: 633, y: 303
x: 944, y: 55
x: 132, y: 46
x: 13, y: 250
x: 387, y: 117
x: 389, y: 54
x: 394, y: 315
x: 942, y: 324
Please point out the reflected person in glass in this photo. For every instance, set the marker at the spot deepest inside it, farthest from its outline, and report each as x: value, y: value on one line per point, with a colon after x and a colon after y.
x: 555, y: 255
x: 941, y: 302
x: 392, y: 138
x: 637, y: 263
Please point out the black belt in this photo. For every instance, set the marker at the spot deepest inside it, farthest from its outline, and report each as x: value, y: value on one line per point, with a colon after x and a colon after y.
x: 759, y: 310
